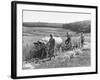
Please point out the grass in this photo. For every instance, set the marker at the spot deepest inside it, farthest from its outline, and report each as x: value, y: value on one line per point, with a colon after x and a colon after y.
x: 31, y: 35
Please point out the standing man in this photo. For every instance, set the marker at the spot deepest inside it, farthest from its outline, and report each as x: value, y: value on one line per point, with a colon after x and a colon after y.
x: 82, y: 39
x: 68, y: 40
x: 51, y: 46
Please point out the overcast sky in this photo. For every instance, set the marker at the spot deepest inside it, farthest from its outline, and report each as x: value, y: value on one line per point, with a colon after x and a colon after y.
x: 54, y: 17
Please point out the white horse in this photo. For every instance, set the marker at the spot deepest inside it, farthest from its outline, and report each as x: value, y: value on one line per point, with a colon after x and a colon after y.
x: 58, y: 42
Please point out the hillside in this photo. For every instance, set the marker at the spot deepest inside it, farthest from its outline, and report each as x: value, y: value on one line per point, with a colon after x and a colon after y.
x: 82, y: 26
x: 42, y: 24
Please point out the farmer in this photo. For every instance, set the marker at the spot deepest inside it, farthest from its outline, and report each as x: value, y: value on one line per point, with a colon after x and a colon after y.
x: 82, y: 39
x: 51, y: 46
x: 68, y: 40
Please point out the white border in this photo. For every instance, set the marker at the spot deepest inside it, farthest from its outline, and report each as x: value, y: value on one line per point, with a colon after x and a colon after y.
x: 35, y: 72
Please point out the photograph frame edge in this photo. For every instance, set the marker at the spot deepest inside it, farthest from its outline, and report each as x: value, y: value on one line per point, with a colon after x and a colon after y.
x: 14, y: 39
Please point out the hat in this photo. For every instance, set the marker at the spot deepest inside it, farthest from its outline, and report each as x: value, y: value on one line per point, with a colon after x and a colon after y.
x: 51, y: 35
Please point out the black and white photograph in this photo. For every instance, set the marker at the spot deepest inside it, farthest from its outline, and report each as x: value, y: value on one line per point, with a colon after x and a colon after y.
x: 55, y: 40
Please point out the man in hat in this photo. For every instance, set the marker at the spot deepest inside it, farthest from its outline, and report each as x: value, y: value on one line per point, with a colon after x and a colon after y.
x: 82, y: 39
x: 68, y: 40
x: 51, y: 46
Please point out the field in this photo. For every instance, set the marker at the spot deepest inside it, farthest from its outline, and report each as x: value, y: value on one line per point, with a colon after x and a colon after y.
x: 33, y: 34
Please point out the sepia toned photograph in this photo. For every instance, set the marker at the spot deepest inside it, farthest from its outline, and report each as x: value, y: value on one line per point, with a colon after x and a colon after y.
x: 53, y: 40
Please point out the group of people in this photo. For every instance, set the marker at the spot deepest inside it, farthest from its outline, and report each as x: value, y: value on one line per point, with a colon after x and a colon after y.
x: 67, y: 42
x: 51, y: 45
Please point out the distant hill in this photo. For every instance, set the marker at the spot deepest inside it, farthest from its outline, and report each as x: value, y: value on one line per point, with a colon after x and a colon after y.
x: 42, y: 24
x: 81, y: 26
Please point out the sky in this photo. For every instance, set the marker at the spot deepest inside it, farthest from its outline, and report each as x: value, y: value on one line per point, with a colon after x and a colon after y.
x: 54, y: 17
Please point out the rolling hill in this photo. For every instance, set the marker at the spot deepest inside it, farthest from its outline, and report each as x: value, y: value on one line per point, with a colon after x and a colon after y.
x: 42, y: 24
x: 81, y: 26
